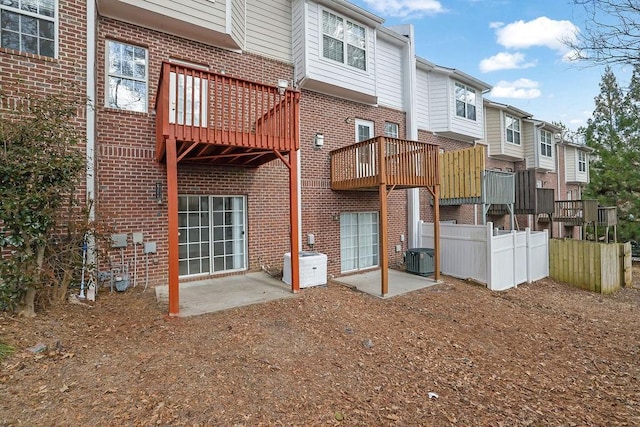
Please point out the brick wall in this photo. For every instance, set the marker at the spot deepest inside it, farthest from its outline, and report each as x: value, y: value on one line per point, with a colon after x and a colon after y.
x: 128, y: 172
x: 321, y: 207
x: 23, y: 74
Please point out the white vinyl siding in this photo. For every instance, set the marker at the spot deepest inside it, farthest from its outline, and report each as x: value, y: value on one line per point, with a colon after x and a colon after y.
x: 326, y: 75
x: 465, y: 100
x: 220, y: 23
x: 299, y: 40
x: 269, y: 28
x: 442, y: 108
x: 29, y: 26
x: 390, y: 74
x: 422, y: 99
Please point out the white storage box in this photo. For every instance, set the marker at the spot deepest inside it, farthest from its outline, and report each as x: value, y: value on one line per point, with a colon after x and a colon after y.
x: 313, y: 269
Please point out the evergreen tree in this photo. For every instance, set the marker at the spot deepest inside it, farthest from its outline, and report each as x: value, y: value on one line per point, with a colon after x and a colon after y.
x: 614, y: 134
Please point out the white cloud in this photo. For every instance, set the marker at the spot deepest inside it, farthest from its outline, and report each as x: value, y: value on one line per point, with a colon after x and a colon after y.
x: 541, y: 31
x: 504, y: 61
x: 519, y: 89
x: 405, y: 8
x: 496, y: 24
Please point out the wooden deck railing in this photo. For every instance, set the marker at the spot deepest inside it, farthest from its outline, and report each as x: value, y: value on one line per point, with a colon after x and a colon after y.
x: 204, y: 107
x: 576, y: 212
x: 407, y: 164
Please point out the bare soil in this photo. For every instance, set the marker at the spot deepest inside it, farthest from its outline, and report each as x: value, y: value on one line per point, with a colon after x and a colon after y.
x: 453, y: 354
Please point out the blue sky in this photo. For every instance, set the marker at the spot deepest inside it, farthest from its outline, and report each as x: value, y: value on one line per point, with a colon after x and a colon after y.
x: 514, y: 45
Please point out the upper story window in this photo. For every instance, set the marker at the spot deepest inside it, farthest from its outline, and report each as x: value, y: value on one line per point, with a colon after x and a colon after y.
x: 582, y: 161
x: 513, y: 129
x: 29, y: 26
x: 391, y: 129
x: 545, y: 144
x: 338, y: 33
x: 465, y: 101
x: 126, y: 76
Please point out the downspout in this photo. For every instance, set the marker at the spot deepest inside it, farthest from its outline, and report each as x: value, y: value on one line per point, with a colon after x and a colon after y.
x: 413, y: 194
x: 91, y: 118
x: 558, y: 234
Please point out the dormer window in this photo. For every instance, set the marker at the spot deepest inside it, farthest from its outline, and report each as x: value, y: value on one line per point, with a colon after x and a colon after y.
x: 465, y: 101
x: 513, y: 129
x: 545, y: 144
x: 338, y: 32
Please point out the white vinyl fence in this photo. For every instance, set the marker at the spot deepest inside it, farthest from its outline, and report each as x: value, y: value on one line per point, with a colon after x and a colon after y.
x: 501, y: 259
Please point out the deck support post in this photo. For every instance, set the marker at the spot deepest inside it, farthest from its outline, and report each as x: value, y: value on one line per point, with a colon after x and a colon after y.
x: 172, y: 212
x: 436, y: 231
x: 384, y: 240
x: 293, y: 220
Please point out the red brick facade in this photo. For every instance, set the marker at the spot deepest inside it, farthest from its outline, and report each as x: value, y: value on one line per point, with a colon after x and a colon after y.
x: 321, y: 206
x: 128, y: 172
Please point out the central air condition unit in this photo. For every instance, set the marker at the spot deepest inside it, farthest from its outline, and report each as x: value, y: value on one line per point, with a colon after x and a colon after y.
x: 313, y: 269
x: 420, y: 261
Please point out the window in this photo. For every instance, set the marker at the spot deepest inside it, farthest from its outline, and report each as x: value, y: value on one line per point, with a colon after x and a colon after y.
x: 364, y: 153
x: 465, y: 101
x: 582, y: 161
x: 391, y: 129
x: 358, y: 240
x: 29, y: 26
x: 126, y: 77
x: 513, y: 129
x: 364, y: 130
x: 337, y: 33
x: 545, y: 144
x: 212, y: 234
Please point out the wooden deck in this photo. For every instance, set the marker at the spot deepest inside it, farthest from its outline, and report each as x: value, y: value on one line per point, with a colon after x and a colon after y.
x: 575, y: 212
x: 215, y: 119
x: 218, y: 119
x: 407, y: 164
x: 464, y: 179
x: 529, y: 200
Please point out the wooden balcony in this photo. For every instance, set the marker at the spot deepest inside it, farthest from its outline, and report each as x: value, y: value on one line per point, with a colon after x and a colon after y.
x: 407, y: 164
x: 529, y: 200
x: 464, y: 179
x: 218, y: 119
x: 576, y: 212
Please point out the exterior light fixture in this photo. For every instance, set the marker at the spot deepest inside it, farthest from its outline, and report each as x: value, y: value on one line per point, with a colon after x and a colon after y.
x: 318, y: 140
x: 282, y: 86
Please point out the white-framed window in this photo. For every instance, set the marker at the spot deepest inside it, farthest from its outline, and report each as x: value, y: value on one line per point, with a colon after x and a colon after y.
x: 344, y: 41
x: 582, y: 161
x: 391, y: 130
x: 465, y: 101
x: 359, y: 243
x: 513, y: 129
x: 29, y: 26
x: 127, y: 73
x: 545, y: 144
x: 212, y: 235
x: 364, y: 130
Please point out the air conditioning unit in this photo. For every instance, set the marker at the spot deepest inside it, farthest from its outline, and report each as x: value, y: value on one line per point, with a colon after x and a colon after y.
x: 420, y: 261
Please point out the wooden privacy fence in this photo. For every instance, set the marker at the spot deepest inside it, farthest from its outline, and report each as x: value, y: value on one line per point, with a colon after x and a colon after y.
x: 501, y: 260
x: 597, y: 267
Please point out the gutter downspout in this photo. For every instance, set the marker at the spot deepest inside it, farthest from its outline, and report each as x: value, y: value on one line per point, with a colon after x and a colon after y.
x: 91, y: 119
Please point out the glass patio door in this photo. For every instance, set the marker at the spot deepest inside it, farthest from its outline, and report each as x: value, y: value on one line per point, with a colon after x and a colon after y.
x: 212, y: 234
x: 358, y: 240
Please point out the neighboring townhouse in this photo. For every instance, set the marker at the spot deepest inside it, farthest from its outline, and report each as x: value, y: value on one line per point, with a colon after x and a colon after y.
x: 449, y: 112
x: 573, y: 159
x: 351, y: 72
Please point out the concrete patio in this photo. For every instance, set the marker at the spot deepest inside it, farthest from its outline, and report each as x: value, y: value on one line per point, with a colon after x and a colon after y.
x: 223, y: 293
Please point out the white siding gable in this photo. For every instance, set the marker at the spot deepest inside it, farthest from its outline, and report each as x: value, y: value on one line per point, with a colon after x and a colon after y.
x: 326, y: 75
x: 422, y: 99
x: 269, y: 28
x: 390, y: 74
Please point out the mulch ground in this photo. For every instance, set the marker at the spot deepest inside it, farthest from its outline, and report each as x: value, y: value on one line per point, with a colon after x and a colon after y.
x: 452, y: 354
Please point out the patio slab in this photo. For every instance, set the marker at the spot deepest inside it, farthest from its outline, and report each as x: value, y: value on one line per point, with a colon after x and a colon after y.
x: 223, y: 293
x: 399, y: 282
